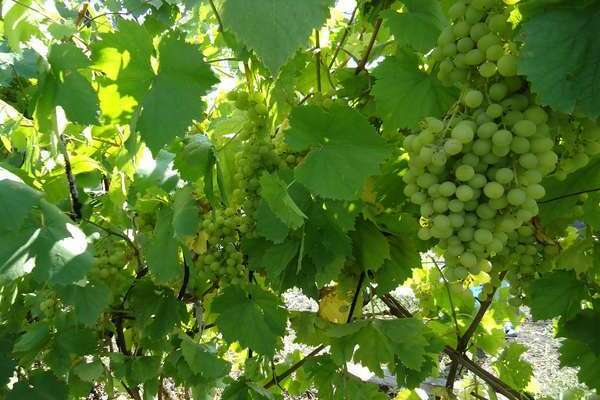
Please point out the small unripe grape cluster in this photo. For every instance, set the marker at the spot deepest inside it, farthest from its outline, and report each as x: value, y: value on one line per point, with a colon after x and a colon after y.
x: 112, y: 261
x: 476, y: 179
x: 579, y: 142
x: 477, y: 39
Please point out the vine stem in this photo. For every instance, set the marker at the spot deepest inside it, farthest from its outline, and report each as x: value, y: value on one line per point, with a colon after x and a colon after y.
x: 463, y: 341
x: 76, y: 205
x: 365, y: 58
x: 447, y: 286
x: 217, y: 16
x: 343, y: 39
x: 318, y: 59
x: 498, y: 385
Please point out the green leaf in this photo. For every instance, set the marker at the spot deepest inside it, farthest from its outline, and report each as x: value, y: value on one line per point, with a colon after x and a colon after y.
x: 558, y: 293
x: 62, y: 253
x: 258, y: 311
x: 560, y: 55
x: 274, y: 29
x: 344, y: 150
x: 404, y: 256
x: 275, y: 193
x: 276, y: 258
x: 371, y: 245
x: 74, y: 93
x: 157, y: 311
x: 196, y: 158
x: 34, y: 338
x: 512, y: 369
x: 418, y: 25
x: 409, y: 338
x: 203, y: 361
x: 16, y: 201
x: 19, y: 22
x: 174, y: 99
x: 186, y: 216
x: 404, y: 94
x: 40, y: 386
x: 583, y: 328
x: 88, y: 301
x: 124, y: 56
x: 89, y: 372
x: 161, y: 249
x: 268, y: 225
x: 142, y: 369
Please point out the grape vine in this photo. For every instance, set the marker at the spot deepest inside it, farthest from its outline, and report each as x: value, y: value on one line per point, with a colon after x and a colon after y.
x: 247, y: 200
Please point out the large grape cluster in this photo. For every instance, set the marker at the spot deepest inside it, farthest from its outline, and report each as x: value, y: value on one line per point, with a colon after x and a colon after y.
x: 223, y: 260
x: 476, y: 175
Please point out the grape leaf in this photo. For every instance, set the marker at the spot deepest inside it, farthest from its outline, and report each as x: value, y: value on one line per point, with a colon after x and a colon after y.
x: 258, y: 311
x: 409, y: 337
x: 196, y: 158
x: 35, y: 336
x: 19, y: 22
x: 186, y: 217
x: 41, y: 385
x: 276, y: 258
x: 344, y: 150
x: 558, y: 293
x: 268, y: 225
x: 275, y: 193
x: 73, y: 92
x: 160, y: 250
x: 274, y: 29
x: 559, y: 57
x: 404, y: 94
x: 88, y: 301
x: 174, y: 99
x: 418, y: 25
x: 583, y: 328
x: 371, y: 246
x: 512, y: 369
x: 124, y: 56
x: 202, y: 361
x: 61, y: 249
x: 16, y: 201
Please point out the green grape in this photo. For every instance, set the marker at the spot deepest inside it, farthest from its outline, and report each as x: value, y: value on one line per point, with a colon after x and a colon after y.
x: 456, y: 220
x: 483, y: 236
x: 447, y: 189
x: 463, y: 133
x: 493, y: 190
x: 426, y: 209
x: 541, y: 145
x: 449, y: 50
x: 486, y: 41
x: 498, y: 91
x: 452, y: 146
x: 464, y: 193
x: 478, y: 30
x: 473, y: 15
x: 470, y: 159
x: 519, y: 145
x: 461, y: 29
x: 531, y: 176
x: 507, y: 65
x: 418, y: 198
x: 486, y: 130
x: 511, y: 117
x: 502, y: 138
x: 484, y: 211
x: 466, y: 233
x: 528, y: 161
x: 475, y: 57
x: 456, y: 205
x: 465, y: 44
x: 473, y: 99
x: 464, y: 173
x: 440, y: 205
x: 494, y: 52
x: 457, y: 10
x: 516, y: 197
x: 468, y: 260
x: 478, y: 181
x: 504, y: 176
x: 498, y: 24
x: 481, y: 147
x: 487, y: 69
x: 524, y: 128
x: 434, y: 124
x: 441, y: 222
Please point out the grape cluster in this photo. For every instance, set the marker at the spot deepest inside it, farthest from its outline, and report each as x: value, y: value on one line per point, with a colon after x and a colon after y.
x: 223, y: 261
x: 478, y: 40
x: 114, y: 261
x: 579, y: 141
x: 476, y: 176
